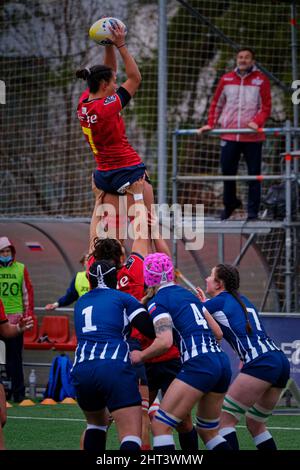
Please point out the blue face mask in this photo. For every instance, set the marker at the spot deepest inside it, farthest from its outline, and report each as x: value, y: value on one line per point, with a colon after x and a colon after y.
x: 5, y: 259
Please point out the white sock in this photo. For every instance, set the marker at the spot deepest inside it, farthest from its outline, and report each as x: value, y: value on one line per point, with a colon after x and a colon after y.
x: 264, y: 436
x: 224, y: 431
x: 210, y: 445
x: 163, y: 440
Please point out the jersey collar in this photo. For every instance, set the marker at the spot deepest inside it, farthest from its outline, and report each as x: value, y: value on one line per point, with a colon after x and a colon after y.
x: 167, y: 284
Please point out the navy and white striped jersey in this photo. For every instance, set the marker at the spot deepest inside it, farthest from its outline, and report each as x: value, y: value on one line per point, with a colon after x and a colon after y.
x: 192, y: 331
x: 102, y: 322
x: 230, y: 316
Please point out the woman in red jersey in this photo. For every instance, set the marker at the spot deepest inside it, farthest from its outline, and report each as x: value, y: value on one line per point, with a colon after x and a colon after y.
x: 118, y: 164
x: 9, y: 331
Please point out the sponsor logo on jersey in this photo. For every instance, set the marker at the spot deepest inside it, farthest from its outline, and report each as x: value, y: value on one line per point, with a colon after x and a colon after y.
x: 110, y: 99
x: 123, y: 282
x: 129, y: 262
x: 257, y: 81
x: 228, y: 79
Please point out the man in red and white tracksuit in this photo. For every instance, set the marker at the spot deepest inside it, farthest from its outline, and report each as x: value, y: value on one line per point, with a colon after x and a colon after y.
x: 242, y: 99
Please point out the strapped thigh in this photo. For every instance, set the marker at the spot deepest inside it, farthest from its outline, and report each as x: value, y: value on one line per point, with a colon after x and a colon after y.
x: 209, y: 424
x: 258, y: 413
x: 167, y: 418
x: 234, y: 407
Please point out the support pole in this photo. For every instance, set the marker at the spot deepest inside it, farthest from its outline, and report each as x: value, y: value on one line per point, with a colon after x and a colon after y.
x: 221, y: 247
x: 288, y: 219
x: 295, y: 137
x: 162, y: 103
x: 174, y: 196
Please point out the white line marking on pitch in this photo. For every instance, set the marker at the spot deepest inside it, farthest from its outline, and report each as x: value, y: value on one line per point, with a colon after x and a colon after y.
x: 275, y: 427
x: 280, y: 428
x: 46, y: 419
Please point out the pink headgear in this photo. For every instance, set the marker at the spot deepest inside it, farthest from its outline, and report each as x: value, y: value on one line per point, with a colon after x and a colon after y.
x: 158, y: 269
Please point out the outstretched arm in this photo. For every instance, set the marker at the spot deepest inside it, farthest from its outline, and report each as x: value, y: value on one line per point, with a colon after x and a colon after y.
x: 134, y: 77
x: 70, y: 296
x: 110, y: 58
x: 140, y: 218
x: 163, y: 341
x: 10, y: 331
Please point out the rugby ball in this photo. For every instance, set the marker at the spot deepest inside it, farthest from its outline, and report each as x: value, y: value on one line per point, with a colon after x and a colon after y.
x: 100, y: 31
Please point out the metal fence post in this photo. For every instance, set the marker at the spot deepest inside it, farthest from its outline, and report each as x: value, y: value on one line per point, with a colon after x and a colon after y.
x: 174, y: 195
x: 288, y: 217
x: 162, y: 104
x: 294, y: 44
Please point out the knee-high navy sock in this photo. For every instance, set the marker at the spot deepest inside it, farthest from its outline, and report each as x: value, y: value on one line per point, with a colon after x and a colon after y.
x: 265, y: 441
x: 94, y: 440
x: 188, y: 440
x: 229, y: 434
x: 218, y: 443
x: 131, y: 444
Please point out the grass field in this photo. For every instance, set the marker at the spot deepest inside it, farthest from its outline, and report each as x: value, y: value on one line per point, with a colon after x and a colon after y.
x: 59, y: 427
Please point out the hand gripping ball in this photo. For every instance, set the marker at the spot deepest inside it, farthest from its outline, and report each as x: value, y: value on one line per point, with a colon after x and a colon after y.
x: 100, y: 31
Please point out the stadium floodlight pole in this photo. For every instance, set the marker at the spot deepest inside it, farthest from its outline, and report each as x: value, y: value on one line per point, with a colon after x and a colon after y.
x: 233, y: 44
x: 162, y: 103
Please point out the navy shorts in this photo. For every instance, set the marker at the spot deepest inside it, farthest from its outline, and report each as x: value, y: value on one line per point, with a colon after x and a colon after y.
x: 116, y: 181
x: 105, y: 383
x: 273, y: 367
x: 208, y: 372
x: 139, y: 369
x: 161, y: 374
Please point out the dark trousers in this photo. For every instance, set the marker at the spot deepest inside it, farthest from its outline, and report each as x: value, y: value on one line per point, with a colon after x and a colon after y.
x: 14, y: 366
x: 230, y: 156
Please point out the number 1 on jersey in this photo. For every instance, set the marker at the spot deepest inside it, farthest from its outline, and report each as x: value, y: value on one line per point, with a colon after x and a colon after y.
x: 88, y: 131
x: 87, y: 312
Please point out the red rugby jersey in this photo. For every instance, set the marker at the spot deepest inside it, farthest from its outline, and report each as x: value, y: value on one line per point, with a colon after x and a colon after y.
x: 131, y: 280
x: 104, y: 130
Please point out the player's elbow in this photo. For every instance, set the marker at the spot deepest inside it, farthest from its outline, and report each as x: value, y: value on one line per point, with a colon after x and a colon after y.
x: 137, y: 78
x: 218, y: 333
x: 219, y: 336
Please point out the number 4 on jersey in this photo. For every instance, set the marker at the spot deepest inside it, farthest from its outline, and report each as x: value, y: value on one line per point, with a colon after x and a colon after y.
x: 200, y: 320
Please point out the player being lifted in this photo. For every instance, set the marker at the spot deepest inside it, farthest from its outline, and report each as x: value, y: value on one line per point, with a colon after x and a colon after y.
x: 118, y: 164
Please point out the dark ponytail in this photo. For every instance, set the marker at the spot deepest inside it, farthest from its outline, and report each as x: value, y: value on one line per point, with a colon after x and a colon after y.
x: 231, y: 280
x: 108, y: 249
x: 95, y: 75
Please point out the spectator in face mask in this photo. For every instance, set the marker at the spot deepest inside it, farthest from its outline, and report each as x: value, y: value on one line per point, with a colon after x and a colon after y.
x: 16, y: 293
